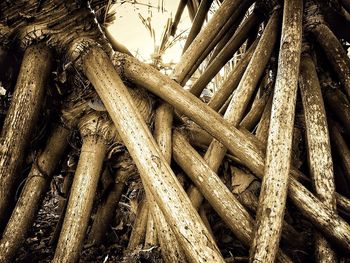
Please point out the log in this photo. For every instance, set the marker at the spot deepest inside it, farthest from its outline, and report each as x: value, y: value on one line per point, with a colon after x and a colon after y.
x: 154, y: 170
x: 319, y: 149
x: 332, y: 48
x: 198, y: 22
x: 95, y: 134
x: 236, y: 142
x: 178, y: 15
x: 37, y: 183
x: 170, y: 248
x: 339, y: 104
x: 232, y: 80
x: 20, y: 121
x: 242, y: 95
x: 225, y: 54
x: 274, y: 187
x: 215, y: 191
x: 229, y: 9
x: 139, y: 228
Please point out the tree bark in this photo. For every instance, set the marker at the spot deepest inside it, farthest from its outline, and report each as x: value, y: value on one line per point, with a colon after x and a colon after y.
x: 198, y: 22
x: 33, y: 191
x: 155, y: 172
x: 229, y: 9
x: 273, y: 192
x: 225, y: 54
x: 232, y: 80
x: 20, y: 120
x: 95, y: 138
x: 319, y: 150
x: 139, y: 228
x: 214, y: 190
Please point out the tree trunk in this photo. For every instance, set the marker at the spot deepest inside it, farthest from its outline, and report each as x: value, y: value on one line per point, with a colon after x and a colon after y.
x: 198, y: 22
x: 214, y: 190
x: 20, y: 121
x: 229, y: 9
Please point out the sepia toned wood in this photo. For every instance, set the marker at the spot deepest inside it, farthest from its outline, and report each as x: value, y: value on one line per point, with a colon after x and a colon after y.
x: 93, y: 131
x: 225, y: 54
x: 107, y: 208
x: 236, y: 142
x: 139, y: 227
x: 154, y: 170
x: 20, y: 120
x: 215, y: 191
x: 229, y: 9
x: 198, y: 22
x: 36, y: 185
x: 274, y: 187
x: 335, y: 53
x: 337, y: 101
x: 242, y: 95
x: 232, y: 80
x: 319, y: 149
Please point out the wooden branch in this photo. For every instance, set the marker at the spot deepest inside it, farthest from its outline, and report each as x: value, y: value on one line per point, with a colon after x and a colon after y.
x: 154, y: 170
x: 20, y: 120
x: 225, y: 33
x: 319, y: 149
x: 336, y: 54
x: 198, y: 22
x: 179, y: 11
x: 235, y: 141
x: 274, y: 187
x: 230, y: 8
x: 139, y: 228
x: 36, y: 185
x: 225, y: 54
x: 242, y: 95
x: 214, y: 190
x: 95, y: 134
x: 232, y: 80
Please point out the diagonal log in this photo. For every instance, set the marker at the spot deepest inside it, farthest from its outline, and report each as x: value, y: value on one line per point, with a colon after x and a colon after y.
x: 242, y: 95
x: 170, y: 249
x: 154, y: 170
x: 235, y: 141
x: 319, y: 149
x: 215, y: 191
x: 139, y: 230
x: 225, y: 54
x: 179, y: 11
x: 198, y: 22
x: 33, y: 191
x: 20, y: 120
x: 274, y: 187
x: 229, y: 9
x: 232, y: 80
